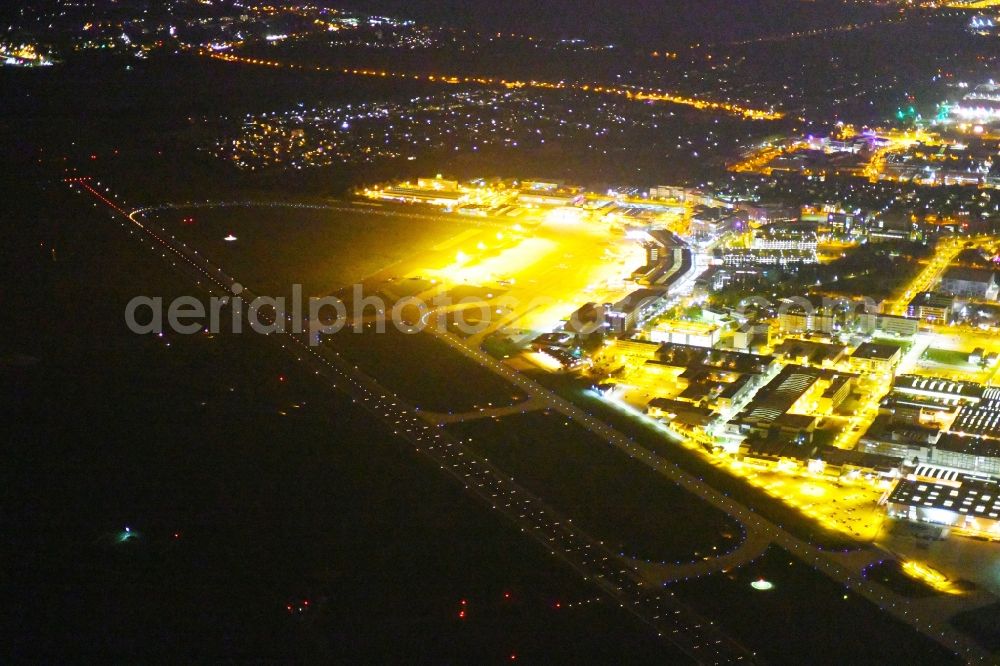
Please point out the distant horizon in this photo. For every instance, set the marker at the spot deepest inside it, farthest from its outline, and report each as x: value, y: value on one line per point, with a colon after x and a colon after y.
x: 638, y: 23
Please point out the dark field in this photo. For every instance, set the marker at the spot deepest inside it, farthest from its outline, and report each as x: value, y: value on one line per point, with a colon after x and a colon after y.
x: 890, y: 573
x: 806, y: 615
x: 423, y: 371
x: 617, y: 500
x: 247, y: 489
x: 323, y: 250
x: 983, y: 624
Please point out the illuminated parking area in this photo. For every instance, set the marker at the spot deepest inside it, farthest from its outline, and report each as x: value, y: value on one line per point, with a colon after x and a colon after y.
x: 842, y: 505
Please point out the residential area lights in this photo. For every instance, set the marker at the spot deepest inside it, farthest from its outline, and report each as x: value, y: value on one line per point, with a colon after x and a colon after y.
x: 24, y: 55
x: 637, y: 93
x: 877, y: 154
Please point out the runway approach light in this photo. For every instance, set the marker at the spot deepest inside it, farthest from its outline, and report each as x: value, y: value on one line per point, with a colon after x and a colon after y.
x: 230, y: 238
x: 762, y: 585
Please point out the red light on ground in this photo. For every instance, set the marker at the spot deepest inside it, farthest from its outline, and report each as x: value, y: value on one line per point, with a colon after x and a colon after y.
x: 461, y: 615
x: 281, y: 378
x: 506, y: 595
x: 93, y: 157
x: 558, y: 605
x: 177, y: 535
x: 305, y: 603
x: 513, y: 657
x: 464, y: 602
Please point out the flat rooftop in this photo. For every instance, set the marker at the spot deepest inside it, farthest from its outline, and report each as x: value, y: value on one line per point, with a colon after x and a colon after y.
x: 831, y: 455
x: 932, y: 300
x: 980, y: 419
x: 973, y: 446
x: 689, y: 356
x: 979, y: 498
x: 424, y: 193
x: 944, y: 389
x: 963, y: 274
x: 877, y: 351
x: 812, y: 352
